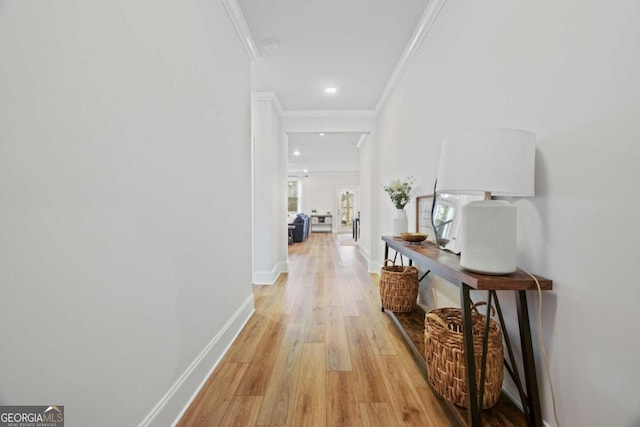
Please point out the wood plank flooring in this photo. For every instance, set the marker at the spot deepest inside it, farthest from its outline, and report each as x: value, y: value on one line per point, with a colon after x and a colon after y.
x: 318, y: 352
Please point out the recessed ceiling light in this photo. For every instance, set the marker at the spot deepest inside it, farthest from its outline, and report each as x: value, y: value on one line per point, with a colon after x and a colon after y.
x: 321, y: 133
x: 296, y: 153
x: 331, y: 90
x: 306, y: 170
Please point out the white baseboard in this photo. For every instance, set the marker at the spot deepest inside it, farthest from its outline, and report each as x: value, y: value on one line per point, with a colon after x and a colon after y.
x: 372, y: 266
x: 176, y: 401
x: 364, y: 253
x: 269, y: 277
x: 512, y: 397
x: 375, y: 267
x: 515, y: 399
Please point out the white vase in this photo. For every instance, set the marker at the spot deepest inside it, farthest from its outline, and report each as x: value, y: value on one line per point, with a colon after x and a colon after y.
x: 400, y: 222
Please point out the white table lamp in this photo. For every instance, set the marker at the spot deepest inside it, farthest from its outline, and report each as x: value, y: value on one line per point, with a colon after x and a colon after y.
x: 497, y: 162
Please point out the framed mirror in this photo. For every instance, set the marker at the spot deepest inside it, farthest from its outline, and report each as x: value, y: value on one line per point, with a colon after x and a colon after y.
x: 446, y: 216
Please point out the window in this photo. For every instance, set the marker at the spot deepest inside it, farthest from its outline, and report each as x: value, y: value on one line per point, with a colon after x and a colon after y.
x: 294, y: 196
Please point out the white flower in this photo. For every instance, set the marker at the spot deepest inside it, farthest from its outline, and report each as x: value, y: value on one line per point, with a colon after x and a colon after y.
x: 400, y: 191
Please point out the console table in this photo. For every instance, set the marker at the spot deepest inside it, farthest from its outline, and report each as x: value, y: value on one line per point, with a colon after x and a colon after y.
x: 447, y: 265
x: 321, y: 223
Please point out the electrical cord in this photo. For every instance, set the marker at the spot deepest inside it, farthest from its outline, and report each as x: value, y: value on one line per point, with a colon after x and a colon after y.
x: 543, y: 348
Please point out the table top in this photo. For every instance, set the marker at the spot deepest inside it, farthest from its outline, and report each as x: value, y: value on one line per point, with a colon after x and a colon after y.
x: 447, y: 265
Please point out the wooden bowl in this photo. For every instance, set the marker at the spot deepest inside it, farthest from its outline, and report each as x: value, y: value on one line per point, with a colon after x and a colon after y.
x: 413, y: 237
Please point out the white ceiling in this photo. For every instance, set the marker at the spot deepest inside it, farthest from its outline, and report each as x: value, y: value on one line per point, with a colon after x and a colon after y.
x: 331, y: 153
x: 353, y: 45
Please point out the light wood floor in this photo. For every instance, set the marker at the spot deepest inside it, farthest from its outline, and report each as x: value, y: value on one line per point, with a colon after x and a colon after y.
x: 318, y: 352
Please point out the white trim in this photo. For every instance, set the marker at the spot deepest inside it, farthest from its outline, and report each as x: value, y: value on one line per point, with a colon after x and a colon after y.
x: 253, y: 200
x: 428, y: 18
x: 240, y: 24
x: 277, y: 105
x: 176, y: 401
x: 375, y: 267
x: 271, y: 97
x: 364, y: 253
x: 270, y: 277
x: 362, y: 139
x: 512, y: 397
x: 262, y: 96
x: 323, y: 172
x: 517, y: 402
x: 312, y: 114
x: 372, y: 266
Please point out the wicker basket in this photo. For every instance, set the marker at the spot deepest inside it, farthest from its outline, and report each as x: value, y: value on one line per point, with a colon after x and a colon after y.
x: 398, y: 287
x: 444, y: 354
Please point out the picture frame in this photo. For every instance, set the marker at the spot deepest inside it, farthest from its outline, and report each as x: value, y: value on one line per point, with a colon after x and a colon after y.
x: 424, y: 224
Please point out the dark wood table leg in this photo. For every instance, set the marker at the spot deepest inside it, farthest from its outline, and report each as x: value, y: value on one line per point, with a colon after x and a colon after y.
x: 473, y: 411
x: 485, y: 351
x: 384, y: 262
x: 534, y: 414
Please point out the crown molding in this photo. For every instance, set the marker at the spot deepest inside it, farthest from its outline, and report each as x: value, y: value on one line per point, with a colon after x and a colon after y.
x: 277, y: 105
x: 314, y: 114
x: 424, y: 25
x: 240, y: 24
x: 269, y: 97
x: 302, y: 174
x: 362, y: 139
x: 263, y: 96
x: 428, y: 18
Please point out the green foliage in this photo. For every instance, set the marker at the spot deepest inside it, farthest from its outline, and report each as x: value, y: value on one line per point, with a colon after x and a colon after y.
x: 400, y: 191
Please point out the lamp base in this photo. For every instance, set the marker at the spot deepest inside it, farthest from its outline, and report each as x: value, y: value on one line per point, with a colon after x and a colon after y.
x: 489, y: 237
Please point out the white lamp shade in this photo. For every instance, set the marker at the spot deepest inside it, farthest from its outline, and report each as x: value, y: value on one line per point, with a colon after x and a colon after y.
x: 501, y: 161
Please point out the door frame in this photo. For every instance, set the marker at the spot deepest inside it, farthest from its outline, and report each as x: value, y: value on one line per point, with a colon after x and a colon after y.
x: 338, y: 219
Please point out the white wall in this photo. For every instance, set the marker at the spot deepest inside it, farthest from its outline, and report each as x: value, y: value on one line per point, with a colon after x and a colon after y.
x: 319, y: 192
x: 368, y: 196
x: 121, y: 124
x: 567, y: 70
x: 269, y: 190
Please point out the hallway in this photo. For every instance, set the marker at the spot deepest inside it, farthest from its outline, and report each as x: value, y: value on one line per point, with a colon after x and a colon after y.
x: 317, y: 352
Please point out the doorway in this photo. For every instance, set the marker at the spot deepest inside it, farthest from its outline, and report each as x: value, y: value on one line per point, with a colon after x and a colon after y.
x: 346, y: 209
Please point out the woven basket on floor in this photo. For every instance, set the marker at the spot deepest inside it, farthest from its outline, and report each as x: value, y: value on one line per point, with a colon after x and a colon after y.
x: 398, y: 287
x: 444, y: 354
